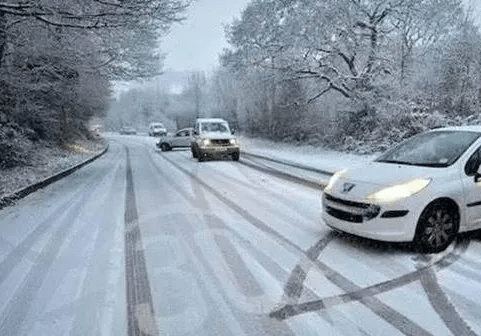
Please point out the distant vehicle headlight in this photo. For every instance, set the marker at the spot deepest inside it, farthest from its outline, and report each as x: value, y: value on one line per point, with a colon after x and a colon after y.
x: 399, y: 191
x: 333, y: 180
x: 233, y: 142
x: 206, y: 142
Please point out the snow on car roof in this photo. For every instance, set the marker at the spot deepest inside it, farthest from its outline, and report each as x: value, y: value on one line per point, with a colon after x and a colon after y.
x: 210, y: 120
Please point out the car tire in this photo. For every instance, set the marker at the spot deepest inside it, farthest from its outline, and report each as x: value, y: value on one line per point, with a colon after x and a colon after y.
x: 165, y: 147
x: 194, y: 153
x: 437, y: 227
x: 200, y: 156
x: 235, y: 156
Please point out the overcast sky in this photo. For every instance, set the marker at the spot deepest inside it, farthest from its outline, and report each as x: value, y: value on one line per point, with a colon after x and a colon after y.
x: 196, y: 43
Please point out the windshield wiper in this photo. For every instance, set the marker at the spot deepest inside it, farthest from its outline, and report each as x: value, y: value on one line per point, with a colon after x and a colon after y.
x: 397, y: 162
x: 432, y: 164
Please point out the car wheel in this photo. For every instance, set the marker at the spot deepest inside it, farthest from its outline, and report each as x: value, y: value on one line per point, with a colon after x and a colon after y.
x: 235, y: 156
x: 165, y: 147
x: 194, y: 153
x: 200, y: 156
x: 437, y: 227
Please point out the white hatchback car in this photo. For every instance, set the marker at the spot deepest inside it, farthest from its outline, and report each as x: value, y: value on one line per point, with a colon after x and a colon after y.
x: 425, y: 190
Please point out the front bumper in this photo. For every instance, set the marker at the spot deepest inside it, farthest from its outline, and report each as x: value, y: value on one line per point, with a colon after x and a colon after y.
x: 219, y: 151
x: 387, y: 222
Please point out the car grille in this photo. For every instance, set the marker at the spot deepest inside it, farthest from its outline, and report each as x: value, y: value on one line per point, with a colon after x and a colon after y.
x: 220, y: 142
x: 354, y: 212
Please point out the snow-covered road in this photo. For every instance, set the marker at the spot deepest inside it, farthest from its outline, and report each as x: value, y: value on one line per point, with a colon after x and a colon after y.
x: 144, y: 242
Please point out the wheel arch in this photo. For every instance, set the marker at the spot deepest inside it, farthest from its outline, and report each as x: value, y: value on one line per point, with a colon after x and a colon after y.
x: 445, y: 203
x: 451, y: 203
x: 165, y: 145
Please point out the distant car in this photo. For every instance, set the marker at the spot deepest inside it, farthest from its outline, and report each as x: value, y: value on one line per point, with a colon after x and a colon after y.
x: 181, y: 138
x: 425, y: 190
x: 157, y: 129
x: 128, y: 130
x: 213, y: 138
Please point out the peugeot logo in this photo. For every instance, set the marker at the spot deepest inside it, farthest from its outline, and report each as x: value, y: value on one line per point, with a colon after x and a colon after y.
x: 347, y: 187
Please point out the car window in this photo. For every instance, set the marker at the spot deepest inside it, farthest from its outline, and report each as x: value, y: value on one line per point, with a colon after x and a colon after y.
x: 214, y: 127
x: 473, y: 163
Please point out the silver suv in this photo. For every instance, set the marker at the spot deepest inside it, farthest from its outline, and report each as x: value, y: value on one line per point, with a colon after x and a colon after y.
x: 213, y: 138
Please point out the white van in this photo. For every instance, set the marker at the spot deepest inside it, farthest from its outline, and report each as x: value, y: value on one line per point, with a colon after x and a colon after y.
x: 157, y: 129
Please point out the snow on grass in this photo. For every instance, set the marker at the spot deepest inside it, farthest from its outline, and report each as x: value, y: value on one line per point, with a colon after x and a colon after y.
x: 307, y: 155
x: 46, y: 160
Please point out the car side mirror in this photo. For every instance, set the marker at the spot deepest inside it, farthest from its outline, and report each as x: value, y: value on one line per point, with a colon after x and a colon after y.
x: 195, y: 133
x: 233, y: 131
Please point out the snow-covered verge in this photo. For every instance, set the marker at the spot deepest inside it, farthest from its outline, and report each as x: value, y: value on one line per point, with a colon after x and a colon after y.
x: 46, y: 160
x: 305, y: 155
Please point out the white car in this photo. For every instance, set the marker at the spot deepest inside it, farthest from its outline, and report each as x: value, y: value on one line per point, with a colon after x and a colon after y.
x: 181, y: 138
x: 157, y: 129
x: 425, y: 190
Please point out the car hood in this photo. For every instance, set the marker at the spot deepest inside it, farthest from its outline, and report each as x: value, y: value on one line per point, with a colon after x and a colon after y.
x: 359, y: 182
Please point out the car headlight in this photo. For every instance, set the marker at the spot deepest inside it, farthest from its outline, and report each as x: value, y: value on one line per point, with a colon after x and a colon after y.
x: 206, y: 142
x: 233, y: 142
x: 334, y: 178
x: 399, y: 191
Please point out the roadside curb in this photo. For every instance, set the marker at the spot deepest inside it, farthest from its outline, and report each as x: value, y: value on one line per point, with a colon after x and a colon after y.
x: 312, y: 183
x: 289, y: 163
x: 19, y: 194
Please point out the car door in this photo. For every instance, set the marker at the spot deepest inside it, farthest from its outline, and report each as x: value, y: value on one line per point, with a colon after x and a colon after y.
x: 177, y: 139
x: 181, y: 139
x: 188, y: 136
x: 472, y: 190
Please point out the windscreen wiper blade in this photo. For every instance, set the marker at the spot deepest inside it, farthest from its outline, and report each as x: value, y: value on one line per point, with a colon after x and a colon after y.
x: 397, y: 162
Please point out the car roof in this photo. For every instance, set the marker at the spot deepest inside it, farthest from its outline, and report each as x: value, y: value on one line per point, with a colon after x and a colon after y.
x: 470, y: 128
x: 156, y: 124
x: 210, y: 120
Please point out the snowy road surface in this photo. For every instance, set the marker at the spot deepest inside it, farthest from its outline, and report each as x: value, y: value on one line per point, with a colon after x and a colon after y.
x: 142, y: 242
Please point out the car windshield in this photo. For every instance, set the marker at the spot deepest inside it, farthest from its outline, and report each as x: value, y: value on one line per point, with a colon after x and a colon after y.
x: 432, y: 149
x: 214, y: 127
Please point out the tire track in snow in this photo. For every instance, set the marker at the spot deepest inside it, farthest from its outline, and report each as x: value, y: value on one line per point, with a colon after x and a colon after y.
x: 388, y: 314
x: 24, y: 247
x: 18, y: 307
x: 441, y: 304
x: 140, y: 309
x: 365, y: 296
